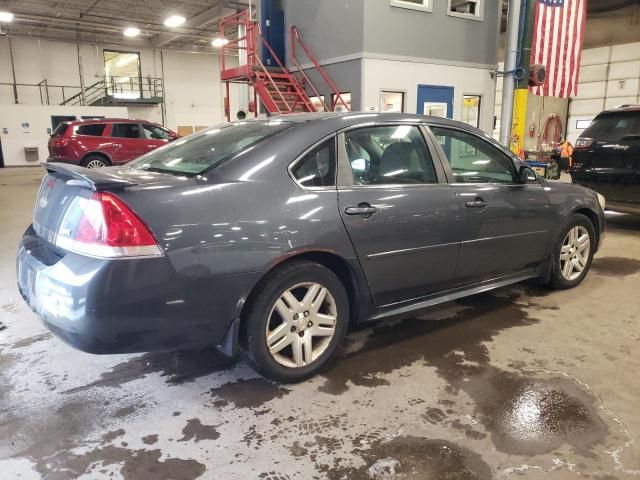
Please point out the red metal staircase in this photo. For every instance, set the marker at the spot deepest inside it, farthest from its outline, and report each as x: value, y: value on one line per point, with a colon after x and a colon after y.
x: 279, y: 90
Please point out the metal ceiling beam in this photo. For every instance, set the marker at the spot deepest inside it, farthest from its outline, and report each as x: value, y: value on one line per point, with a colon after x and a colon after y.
x: 72, y: 23
x: 207, y: 17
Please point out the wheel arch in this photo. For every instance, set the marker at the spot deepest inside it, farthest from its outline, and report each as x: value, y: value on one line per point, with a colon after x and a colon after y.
x: 334, y: 262
x: 593, y: 218
x: 98, y: 154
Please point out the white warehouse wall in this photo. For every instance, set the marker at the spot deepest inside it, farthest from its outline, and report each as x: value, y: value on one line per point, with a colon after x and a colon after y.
x: 405, y: 76
x: 609, y: 76
x: 193, y: 91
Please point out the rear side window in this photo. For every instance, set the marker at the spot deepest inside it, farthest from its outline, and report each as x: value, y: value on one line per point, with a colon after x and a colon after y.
x: 318, y: 167
x: 614, y: 126
x: 209, y: 148
x: 125, y: 130
x: 60, y: 129
x: 93, y: 130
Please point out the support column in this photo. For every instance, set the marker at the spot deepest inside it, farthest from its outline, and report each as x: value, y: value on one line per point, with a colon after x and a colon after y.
x: 510, y: 61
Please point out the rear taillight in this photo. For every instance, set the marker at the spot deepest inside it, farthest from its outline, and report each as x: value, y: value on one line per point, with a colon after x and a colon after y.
x: 583, y: 142
x: 104, y: 226
x: 60, y: 142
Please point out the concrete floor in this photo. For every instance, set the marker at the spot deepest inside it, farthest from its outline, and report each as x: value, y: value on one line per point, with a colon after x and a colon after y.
x: 518, y: 383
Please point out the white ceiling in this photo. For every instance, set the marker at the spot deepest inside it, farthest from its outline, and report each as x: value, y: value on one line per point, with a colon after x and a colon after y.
x: 102, y: 21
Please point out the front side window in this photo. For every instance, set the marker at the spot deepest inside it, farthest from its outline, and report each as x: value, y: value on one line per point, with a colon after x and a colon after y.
x: 318, y: 167
x: 154, y: 132
x: 389, y: 155
x: 209, y: 148
x: 424, y: 5
x: 93, y: 130
x: 125, y: 130
x: 472, y: 159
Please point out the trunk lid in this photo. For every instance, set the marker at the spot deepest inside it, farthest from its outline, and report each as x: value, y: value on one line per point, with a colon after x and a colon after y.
x: 66, y: 188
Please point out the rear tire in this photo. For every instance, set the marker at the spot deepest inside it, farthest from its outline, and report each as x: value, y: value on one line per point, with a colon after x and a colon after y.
x: 573, y: 253
x: 95, y: 161
x: 294, y: 326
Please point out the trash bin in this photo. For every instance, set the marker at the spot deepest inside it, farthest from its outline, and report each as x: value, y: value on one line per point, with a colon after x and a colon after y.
x: 31, y: 154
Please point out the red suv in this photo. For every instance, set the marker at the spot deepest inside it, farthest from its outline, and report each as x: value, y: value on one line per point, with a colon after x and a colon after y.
x: 100, y: 143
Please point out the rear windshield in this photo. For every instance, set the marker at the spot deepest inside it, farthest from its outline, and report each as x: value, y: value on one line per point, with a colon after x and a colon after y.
x: 60, y: 129
x: 614, y: 126
x: 209, y: 148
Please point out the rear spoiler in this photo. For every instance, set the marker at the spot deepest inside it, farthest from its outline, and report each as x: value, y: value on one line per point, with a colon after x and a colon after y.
x: 93, y: 179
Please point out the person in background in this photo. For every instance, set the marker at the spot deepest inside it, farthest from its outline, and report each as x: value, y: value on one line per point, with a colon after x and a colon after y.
x: 566, y: 154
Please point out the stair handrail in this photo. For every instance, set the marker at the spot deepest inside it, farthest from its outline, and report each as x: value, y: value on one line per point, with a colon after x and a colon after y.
x: 79, y: 94
x: 296, y: 38
x: 301, y: 94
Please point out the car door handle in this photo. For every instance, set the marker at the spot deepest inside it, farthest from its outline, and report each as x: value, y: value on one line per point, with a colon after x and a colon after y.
x: 361, y: 209
x: 478, y: 203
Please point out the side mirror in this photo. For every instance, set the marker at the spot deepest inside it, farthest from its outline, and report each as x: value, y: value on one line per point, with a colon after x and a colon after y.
x: 525, y: 175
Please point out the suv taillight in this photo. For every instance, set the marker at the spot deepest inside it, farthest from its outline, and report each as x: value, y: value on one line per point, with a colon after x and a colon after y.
x: 583, y: 142
x: 104, y: 226
x: 60, y: 142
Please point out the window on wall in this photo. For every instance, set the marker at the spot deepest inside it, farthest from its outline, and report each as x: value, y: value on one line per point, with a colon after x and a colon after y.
x: 122, y: 73
x: 318, y: 103
x: 338, y: 105
x: 424, y: 5
x: 471, y: 9
x: 471, y: 110
x: 392, y: 101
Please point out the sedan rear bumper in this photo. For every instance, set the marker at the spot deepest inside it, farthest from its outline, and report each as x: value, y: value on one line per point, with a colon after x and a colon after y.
x: 128, y: 305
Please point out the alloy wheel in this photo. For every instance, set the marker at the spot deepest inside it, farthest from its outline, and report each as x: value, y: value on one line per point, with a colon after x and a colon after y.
x: 96, y: 164
x: 574, y: 253
x: 301, y: 324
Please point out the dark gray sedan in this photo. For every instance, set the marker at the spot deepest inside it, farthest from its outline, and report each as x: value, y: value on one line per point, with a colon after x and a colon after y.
x: 272, y: 236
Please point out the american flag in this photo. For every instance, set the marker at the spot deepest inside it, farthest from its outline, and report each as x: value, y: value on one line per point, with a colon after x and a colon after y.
x: 557, y: 44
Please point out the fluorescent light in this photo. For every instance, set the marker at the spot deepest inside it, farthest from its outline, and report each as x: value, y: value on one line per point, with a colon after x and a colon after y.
x: 174, y: 21
x: 131, y: 32
x: 219, y: 42
x: 6, y: 17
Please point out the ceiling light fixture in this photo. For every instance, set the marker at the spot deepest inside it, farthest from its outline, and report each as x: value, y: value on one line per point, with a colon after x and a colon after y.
x: 131, y: 32
x: 6, y: 17
x: 174, y: 21
x: 219, y: 42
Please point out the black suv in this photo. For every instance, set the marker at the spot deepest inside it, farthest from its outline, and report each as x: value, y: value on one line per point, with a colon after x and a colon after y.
x: 606, y: 158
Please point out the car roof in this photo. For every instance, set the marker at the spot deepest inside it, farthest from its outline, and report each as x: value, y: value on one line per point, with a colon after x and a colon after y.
x: 349, y: 118
x: 622, y: 108
x: 89, y: 121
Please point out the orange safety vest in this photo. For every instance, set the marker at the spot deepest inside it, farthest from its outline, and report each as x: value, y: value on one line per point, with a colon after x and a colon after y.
x: 567, y: 150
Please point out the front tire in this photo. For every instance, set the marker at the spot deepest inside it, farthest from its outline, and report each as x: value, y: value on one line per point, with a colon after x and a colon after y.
x: 297, y: 322
x: 573, y: 253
